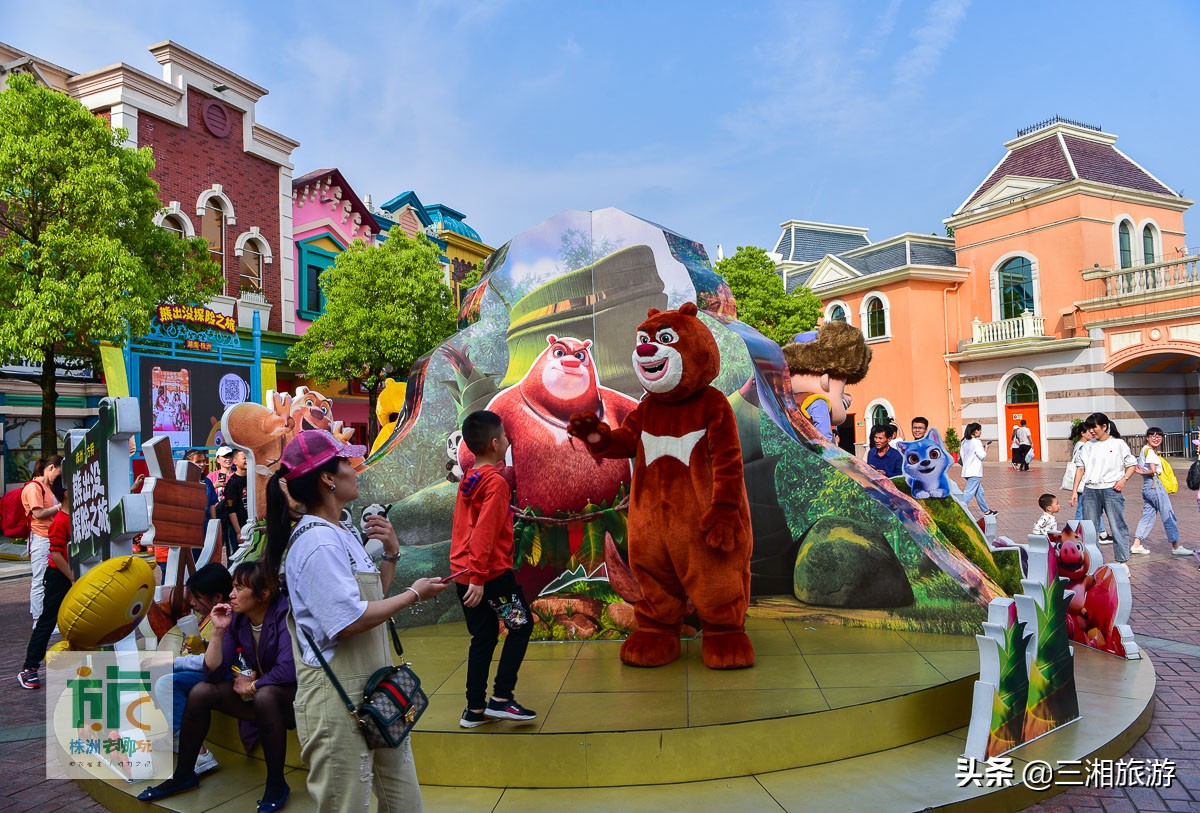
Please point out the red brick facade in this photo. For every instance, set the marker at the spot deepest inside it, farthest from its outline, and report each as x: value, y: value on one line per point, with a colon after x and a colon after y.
x: 189, y: 161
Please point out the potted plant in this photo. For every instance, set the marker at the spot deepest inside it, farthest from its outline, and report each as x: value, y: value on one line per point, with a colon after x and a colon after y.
x: 953, y: 444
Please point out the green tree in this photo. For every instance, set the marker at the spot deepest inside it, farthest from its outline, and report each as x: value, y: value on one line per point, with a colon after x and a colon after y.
x: 761, y: 299
x: 385, y: 307
x: 81, y: 260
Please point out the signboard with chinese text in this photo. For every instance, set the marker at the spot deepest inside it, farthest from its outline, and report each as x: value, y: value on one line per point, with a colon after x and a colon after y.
x: 196, y: 315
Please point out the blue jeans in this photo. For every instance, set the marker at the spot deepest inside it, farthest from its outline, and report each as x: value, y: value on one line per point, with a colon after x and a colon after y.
x: 1156, y: 501
x: 1111, y: 503
x: 177, y: 685
x: 1079, y: 514
x: 975, y: 490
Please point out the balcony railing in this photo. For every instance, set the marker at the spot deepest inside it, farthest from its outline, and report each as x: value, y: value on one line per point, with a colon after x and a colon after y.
x: 1176, y: 276
x: 1025, y: 326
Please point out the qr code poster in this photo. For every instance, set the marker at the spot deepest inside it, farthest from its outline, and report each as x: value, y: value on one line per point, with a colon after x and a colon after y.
x: 107, y: 716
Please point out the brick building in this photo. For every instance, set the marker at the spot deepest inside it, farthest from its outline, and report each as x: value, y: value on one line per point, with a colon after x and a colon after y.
x: 222, y: 176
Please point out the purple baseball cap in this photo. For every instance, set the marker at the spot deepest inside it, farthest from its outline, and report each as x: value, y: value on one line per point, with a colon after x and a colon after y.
x: 313, y: 448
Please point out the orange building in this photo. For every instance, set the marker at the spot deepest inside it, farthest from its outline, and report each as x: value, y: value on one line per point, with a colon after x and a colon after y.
x: 1067, y: 288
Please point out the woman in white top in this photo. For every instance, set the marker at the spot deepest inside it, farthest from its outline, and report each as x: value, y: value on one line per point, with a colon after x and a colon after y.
x: 1155, y: 500
x: 1102, y: 468
x: 973, y: 453
x: 338, y: 600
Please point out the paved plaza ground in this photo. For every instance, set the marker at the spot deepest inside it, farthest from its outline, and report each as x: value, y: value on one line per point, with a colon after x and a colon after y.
x: 1166, y: 591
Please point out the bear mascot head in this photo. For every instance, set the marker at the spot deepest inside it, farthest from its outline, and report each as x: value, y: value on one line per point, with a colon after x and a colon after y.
x: 676, y: 356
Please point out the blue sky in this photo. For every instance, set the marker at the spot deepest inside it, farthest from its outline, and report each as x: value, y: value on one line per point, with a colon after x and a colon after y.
x: 719, y: 120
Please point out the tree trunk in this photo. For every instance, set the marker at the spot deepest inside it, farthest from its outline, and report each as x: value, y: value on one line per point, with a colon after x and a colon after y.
x: 49, y: 403
x: 372, y: 421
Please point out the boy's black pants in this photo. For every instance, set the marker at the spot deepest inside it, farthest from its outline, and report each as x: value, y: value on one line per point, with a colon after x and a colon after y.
x: 56, y: 585
x: 484, y: 626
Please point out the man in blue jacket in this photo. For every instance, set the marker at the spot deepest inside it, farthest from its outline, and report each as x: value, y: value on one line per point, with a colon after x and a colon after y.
x: 881, y: 455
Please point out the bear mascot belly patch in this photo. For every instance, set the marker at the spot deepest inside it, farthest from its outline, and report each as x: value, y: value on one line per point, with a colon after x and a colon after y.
x: 689, y: 518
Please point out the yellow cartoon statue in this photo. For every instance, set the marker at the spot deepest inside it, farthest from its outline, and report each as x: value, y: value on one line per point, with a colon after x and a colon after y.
x: 389, y: 409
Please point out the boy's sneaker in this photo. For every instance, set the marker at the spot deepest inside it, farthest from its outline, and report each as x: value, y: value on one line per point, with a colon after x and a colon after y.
x: 473, y: 719
x: 205, y: 762
x: 1181, y: 551
x: 508, y: 710
x: 1139, y: 549
x: 28, y: 678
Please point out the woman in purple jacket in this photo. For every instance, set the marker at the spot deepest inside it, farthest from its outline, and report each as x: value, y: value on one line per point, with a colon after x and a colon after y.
x: 254, y: 621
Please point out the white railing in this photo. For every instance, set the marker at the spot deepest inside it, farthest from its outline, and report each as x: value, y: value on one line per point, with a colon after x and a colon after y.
x: 1156, y: 278
x: 1025, y: 326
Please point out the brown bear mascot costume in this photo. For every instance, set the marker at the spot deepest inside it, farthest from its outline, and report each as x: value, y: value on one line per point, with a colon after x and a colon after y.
x: 689, y: 519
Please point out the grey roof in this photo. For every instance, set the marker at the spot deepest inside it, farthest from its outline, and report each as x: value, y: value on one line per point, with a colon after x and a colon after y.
x: 871, y: 260
x: 798, y: 244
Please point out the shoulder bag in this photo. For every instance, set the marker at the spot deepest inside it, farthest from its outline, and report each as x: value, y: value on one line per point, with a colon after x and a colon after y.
x: 392, y: 701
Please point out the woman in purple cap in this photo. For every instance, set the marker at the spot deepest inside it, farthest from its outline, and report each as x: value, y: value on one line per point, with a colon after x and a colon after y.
x: 339, y: 608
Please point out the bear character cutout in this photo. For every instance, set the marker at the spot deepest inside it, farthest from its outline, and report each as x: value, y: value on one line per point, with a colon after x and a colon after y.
x: 689, y: 517
x: 551, y: 474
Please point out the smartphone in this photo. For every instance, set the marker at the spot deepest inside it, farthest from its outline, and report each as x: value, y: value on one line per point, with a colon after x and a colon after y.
x: 452, y: 576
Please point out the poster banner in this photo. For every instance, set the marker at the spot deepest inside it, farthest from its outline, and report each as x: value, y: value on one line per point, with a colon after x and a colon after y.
x: 184, y: 399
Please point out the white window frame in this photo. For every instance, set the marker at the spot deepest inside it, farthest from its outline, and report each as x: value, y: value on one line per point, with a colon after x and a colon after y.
x: 217, y: 191
x: 994, y: 282
x: 1135, y: 237
x: 887, y: 317
x: 845, y: 308
x: 174, y: 210
x: 1140, y: 252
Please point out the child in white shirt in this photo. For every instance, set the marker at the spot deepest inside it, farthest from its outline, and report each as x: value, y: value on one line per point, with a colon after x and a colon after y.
x: 1047, y: 523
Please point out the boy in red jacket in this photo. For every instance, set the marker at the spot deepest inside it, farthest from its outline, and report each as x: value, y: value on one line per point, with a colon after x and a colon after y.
x: 57, y: 580
x: 481, y: 557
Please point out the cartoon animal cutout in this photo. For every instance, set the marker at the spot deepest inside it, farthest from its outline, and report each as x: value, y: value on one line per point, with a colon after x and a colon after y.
x: 389, y: 410
x: 310, y: 409
x: 1094, y: 613
x: 689, y: 517
x: 454, y: 470
x: 926, y: 462
x: 536, y: 411
x: 261, y: 433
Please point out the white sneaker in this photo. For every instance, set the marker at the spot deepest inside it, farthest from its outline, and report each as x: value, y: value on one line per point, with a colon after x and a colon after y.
x: 1181, y: 551
x: 1139, y: 549
x: 205, y: 762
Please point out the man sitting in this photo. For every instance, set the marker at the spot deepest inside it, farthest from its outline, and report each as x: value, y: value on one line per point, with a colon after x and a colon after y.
x: 881, y: 455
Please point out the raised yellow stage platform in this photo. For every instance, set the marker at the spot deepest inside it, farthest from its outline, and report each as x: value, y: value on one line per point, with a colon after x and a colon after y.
x: 830, y: 718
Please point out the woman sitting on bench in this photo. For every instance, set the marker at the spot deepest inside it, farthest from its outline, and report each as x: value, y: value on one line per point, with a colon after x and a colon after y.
x: 251, y: 629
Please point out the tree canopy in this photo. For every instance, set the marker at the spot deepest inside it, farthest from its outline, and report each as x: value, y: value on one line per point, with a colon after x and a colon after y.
x: 385, y: 306
x: 81, y: 259
x: 761, y: 299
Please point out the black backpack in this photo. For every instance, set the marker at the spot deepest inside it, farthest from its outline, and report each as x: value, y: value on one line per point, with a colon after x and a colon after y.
x: 1193, y: 477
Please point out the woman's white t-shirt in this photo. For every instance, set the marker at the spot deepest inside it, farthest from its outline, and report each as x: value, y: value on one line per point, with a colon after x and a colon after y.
x: 973, y: 454
x: 322, y: 589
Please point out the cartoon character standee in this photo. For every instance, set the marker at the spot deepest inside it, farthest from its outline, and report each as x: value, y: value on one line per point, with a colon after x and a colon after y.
x: 821, y: 363
x: 1092, y: 613
x: 552, y: 474
x: 926, y: 462
x: 689, y: 517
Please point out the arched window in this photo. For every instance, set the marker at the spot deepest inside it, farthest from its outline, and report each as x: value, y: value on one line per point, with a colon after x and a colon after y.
x: 1016, y: 288
x: 1148, y: 245
x: 1021, y: 390
x: 213, y: 230
x: 173, y: 224
x: 1125, y: 242
x: 250, y: 267
x: 837, y: 314
x: 876, y: 318
x: 880, y: 416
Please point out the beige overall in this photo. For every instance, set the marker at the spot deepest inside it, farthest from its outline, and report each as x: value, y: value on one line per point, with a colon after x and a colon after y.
x: 341, y: 769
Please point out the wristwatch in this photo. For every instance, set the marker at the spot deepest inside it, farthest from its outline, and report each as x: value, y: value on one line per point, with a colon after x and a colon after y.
x: 393, y: 559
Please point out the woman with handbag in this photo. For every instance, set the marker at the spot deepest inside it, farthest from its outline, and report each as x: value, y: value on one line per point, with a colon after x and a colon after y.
x: 1155, y: 500
x: 338, y: 614
x: 248, y: 633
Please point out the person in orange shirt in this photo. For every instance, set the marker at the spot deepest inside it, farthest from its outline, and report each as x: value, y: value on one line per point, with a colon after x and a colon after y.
x: 40, y: 506
x: 481, y: 561
x: 56, y: 580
